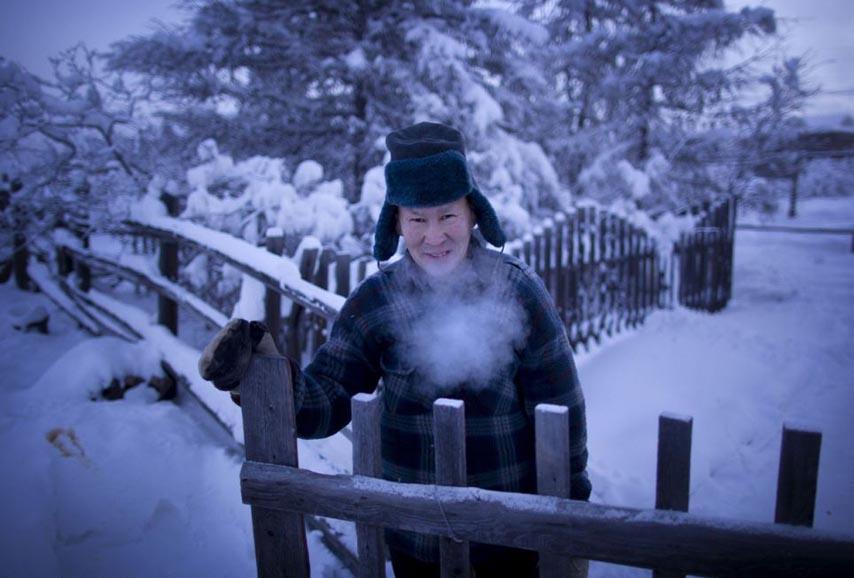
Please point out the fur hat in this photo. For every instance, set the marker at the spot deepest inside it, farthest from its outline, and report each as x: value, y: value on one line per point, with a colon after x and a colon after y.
x: 428, y: 168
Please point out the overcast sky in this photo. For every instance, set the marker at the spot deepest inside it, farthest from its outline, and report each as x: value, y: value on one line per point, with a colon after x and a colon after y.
x: 33, y: 30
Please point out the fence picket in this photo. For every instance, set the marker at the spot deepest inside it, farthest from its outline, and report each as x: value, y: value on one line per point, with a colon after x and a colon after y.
x: 275, y: 243
x: 367, y: 461
x: 798, y: 476
x: 449, y: 430
x: 551, y: 424
x: 673, y: 470
x: 269, y: 432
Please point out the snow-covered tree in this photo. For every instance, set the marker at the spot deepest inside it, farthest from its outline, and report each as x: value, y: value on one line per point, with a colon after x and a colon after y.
x: 638, y: 76
x: 70, y: 141
x: 327, y: 80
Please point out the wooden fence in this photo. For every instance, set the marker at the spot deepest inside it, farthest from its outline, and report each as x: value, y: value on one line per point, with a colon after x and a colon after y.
x: 705, y: 259
x: 604, y: 274
x: 666, y: 539
x: 557, y: 527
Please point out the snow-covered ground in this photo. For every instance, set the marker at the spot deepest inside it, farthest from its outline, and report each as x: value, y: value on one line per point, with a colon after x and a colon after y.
x: 134, y: 488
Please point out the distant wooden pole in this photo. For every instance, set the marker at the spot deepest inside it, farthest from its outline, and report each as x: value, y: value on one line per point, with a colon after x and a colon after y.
x: 449, y: 430
x: 269, y: 432
x: 798, y: 476
x: 367, y: 462
x: 673, y: 473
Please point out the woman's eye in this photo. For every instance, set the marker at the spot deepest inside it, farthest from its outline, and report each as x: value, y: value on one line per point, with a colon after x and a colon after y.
x: 448, y: 216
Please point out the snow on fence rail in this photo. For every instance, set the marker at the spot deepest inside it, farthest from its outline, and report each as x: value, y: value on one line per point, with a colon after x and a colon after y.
x: 279, y: 493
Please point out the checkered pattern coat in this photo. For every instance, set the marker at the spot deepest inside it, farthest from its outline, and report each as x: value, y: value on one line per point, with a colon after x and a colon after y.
x: 365, y: 346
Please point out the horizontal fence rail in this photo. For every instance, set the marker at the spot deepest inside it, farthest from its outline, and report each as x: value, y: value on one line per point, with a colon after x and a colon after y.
x: 557, y: 527
x: 648, y: 538
x: 800, y: 230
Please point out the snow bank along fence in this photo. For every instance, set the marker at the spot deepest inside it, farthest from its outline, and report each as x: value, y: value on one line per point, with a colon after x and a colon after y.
x: 667, y: 539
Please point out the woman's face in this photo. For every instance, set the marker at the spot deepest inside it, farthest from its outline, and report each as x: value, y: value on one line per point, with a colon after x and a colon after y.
x: 437, y: 237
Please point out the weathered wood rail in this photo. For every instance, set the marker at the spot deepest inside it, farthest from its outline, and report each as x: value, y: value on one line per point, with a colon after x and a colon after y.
x: 663, y: 539
x: 800, y: 230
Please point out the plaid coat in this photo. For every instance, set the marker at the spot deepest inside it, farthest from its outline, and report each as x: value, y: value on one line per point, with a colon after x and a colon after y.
x: 376, y: 336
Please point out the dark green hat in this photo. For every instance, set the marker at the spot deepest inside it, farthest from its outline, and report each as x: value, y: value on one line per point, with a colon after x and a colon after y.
x: 428, y: 168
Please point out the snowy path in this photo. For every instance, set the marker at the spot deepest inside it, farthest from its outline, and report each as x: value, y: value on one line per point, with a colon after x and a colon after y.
x: 137, y: 490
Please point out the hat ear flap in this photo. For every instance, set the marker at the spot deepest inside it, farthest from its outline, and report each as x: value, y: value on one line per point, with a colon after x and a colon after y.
x: 385, y: 236
x: 487, y: 220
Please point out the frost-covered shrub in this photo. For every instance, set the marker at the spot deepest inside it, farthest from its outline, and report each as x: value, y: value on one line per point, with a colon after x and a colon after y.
x: 651, y: 186
x: 246, y: 198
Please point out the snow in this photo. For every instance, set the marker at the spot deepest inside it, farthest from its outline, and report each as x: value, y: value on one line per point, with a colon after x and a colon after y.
x: 137, y: 488
x: 308, y: 174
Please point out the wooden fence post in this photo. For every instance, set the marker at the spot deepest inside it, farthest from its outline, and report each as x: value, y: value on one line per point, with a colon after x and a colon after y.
x: 560, y: 266
x: 537, y: 252
x: 275, y: 243
x: 449, y: 431
x: 167, y: 309
x: 342, y: 274
x: 798, y: 476
x: 269, y: 432
x: 673, y: 472
x: 367, y: 462
x: 548, y: 240
x: 297, y: 319
x: 551, y: 424
x: 527, y: 249
x: 327, y: 257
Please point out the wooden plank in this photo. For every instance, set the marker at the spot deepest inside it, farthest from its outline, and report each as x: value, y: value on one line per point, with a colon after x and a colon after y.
x: 786, y: 229
x: 367, y: 461
x: 275, y: 243
x: 342, y: 274
x: 449, y: 430
x: 673, y: 472
x: 167, y: 309
x: 548, y: 242
x: 269, y: 432
x: 537, y: 251
x: 551, y: 423
x: 300, y: 292
x: 677, y: 541
x: 798, y: 476
x: 158, y: 285
x: 560, y: 265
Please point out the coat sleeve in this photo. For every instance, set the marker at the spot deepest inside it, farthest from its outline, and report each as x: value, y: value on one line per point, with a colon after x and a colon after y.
x: 347, y: 364
x: 547, y: 374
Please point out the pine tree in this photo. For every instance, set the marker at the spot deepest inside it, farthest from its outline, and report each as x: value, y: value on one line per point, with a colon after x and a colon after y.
x: 636, y: 72
x: 324, y: 80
